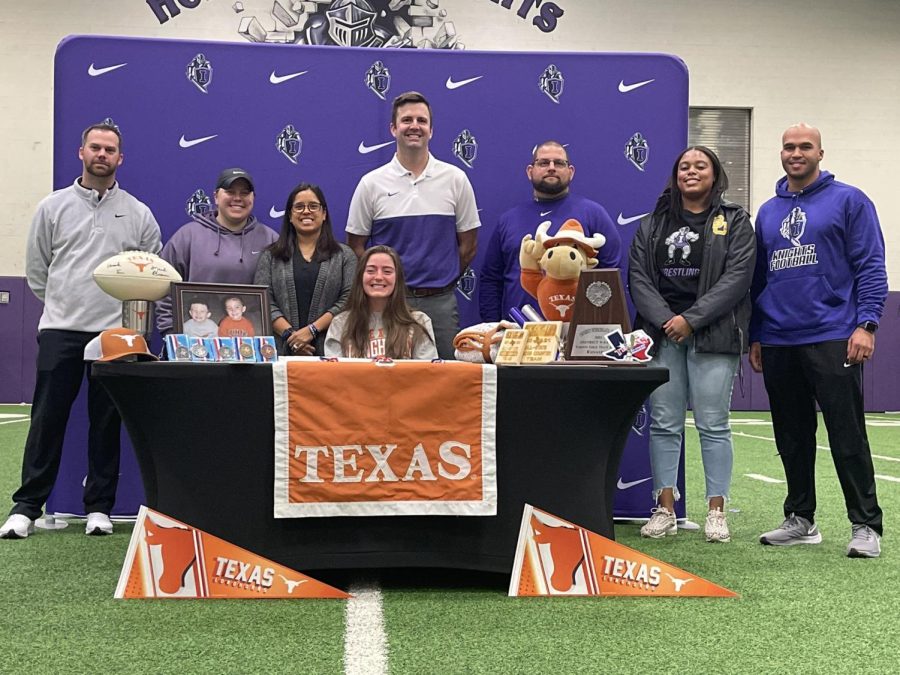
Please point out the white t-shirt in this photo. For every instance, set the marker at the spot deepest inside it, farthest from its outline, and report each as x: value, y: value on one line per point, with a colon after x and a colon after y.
x: 423, y: 349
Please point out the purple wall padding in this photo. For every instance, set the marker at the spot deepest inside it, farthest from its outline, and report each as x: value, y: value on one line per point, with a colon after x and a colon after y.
x: 18, y: 328
x: 882, y: 375
x: 11, y: 323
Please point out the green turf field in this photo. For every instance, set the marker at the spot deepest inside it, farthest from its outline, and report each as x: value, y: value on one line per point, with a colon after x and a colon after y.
x: 805, y: 609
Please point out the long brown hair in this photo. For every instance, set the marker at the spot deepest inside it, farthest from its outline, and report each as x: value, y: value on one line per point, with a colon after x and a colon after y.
x: 401, y: 330
x: 326, y: 245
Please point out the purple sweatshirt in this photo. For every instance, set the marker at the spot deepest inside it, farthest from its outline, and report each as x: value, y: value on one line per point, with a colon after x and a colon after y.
x: 204, y: 251
x: 820, y: 268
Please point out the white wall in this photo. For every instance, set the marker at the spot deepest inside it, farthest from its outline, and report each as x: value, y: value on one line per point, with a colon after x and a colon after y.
x: 832, y: 63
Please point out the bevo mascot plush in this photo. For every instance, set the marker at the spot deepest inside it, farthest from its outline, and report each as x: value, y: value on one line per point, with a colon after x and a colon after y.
x: 551, y: 266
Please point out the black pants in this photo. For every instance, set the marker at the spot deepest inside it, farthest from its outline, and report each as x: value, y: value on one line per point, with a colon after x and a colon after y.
x: 796, y: 378
x: 60, y: 369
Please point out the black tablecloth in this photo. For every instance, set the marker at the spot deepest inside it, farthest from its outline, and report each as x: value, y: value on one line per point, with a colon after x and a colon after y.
x: 203, y: 436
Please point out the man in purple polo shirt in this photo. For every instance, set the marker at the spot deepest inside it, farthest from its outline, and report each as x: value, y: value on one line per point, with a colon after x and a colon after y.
x: 424, y: 209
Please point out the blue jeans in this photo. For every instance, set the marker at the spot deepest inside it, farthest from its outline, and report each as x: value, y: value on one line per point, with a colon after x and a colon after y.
x: 704, y: 380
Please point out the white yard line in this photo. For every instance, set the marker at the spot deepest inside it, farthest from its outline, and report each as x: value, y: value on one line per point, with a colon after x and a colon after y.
x: 24, y: 419
x: 764, y: 479
x: 891, y: 479
x: 771, y: 440
x: 365, y: 642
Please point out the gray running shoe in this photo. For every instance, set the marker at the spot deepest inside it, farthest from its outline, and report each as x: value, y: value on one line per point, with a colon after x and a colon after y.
x: 662, y: 522
x: 865, y: 543
x: 794, y: 530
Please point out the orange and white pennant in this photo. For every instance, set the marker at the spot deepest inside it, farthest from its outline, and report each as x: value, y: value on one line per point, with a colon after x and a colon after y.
x: 557, y: 558
x: 169, y: 559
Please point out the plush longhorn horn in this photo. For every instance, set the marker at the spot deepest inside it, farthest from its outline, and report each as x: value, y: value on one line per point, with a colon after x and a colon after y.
x: 540, y: 236
x: 596, y: 241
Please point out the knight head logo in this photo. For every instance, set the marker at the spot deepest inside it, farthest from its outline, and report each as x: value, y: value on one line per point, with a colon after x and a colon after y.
x: 465, y: 147
x: 199, y: 204
x: 640, y: 421
x: 466, y: 284
x: 351, y: 23
x: 289, y: 143
x: 793, y: 227
x: 552, y: 82
x: 199, y: 73
x: 637, y: 151
x: 378, y: 79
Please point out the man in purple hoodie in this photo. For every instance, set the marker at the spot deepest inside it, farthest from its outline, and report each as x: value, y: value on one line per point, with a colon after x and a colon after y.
x: 221, y: 247
x: 818, y: 294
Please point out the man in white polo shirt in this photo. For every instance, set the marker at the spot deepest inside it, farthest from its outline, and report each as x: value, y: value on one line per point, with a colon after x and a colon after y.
x: 424, y: 209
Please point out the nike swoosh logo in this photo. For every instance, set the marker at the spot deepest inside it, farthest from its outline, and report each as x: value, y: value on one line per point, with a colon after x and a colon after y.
x: 254, y: 252
x: 366, y: 149
x: 95, y: 72
x: 185, y: 143
x: 461, y: 83
x: 278, y: 79
x: 625, y: 88
x: 622, y: 220
x: 544, y: 213
x: 120, y: 215
x: 624, y: 486
x: 275, y: 214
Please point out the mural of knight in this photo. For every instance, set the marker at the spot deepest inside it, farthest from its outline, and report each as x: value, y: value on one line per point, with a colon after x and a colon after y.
x: 352, y: 23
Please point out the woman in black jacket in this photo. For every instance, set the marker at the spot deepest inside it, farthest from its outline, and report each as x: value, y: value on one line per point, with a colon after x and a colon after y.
x: 690, y: 268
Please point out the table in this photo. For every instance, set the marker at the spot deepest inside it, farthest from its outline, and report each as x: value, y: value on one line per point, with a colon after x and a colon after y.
x: 203, y: 436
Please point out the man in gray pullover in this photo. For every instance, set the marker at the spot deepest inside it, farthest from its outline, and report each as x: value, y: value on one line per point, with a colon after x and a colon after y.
x: 73, y: 231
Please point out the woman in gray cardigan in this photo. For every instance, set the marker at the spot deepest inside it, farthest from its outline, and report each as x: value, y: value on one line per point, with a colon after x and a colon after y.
x: 308, y: 273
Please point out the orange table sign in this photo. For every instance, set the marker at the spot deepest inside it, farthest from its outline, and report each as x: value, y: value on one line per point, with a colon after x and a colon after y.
x: 169, y: 559
x: 557, y: 558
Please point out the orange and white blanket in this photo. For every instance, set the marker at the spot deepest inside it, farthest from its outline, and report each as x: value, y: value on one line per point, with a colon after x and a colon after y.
x: 364, y: 439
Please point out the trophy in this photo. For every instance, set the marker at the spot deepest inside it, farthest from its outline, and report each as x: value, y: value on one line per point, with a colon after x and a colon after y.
x: 599, y: 309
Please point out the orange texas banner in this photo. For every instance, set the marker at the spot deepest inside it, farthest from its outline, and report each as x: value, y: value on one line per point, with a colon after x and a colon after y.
x: 362, y: 438
x: 169, y: 559
x: 555, y: 557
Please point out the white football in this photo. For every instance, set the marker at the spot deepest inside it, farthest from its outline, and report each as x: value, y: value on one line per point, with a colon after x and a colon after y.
x: 135, y: 275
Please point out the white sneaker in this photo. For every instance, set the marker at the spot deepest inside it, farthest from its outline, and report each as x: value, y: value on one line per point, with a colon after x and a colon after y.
x: 17, y: 526
x: 661, y: 523
x: 716, y: 527
x: 98, y: 524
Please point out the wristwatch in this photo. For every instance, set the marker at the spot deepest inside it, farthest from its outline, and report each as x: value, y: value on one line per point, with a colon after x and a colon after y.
x: 869, y: 326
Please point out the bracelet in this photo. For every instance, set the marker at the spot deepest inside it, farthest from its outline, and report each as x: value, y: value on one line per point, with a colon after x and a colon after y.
x: 313, y: 330
x: 287, y: 333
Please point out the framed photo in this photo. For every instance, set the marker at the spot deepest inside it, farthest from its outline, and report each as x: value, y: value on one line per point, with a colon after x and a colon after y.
x: 220, y: 310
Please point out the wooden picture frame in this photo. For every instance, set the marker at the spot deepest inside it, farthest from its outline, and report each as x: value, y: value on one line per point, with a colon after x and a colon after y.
x: 218, y: 298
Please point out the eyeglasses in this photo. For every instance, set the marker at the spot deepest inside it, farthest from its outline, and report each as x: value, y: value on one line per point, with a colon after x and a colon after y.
x: 312, y: 207
x: 544, y: 163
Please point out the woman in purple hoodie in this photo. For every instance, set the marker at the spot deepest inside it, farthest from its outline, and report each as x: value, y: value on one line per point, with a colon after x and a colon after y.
x: 221, y: 247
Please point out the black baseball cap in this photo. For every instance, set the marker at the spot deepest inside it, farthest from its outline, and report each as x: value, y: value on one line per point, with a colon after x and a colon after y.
x: 228, y: 176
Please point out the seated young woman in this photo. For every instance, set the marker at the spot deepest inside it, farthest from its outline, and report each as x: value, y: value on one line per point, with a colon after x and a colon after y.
x: 377, y: 322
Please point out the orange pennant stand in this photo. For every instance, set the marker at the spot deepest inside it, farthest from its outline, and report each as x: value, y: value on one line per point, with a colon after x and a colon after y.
x: 169, y: 559
x: 557, y: 558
